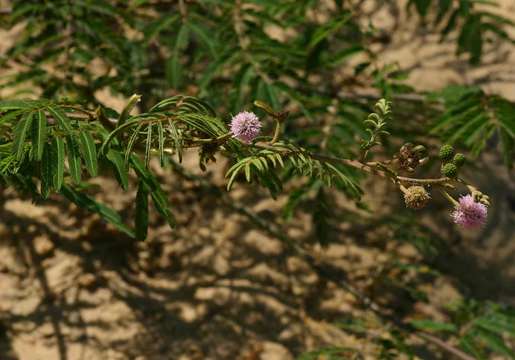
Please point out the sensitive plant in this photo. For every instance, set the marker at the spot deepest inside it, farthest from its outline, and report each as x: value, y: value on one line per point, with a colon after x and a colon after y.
x: 276, y: 109
x: 53, y: 146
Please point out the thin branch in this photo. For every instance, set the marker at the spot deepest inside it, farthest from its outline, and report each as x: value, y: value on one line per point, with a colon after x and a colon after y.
x: 443, y: 345
x: 370, y: 167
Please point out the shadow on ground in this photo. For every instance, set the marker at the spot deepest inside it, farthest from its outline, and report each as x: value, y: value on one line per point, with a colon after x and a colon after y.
x: 214, y: 288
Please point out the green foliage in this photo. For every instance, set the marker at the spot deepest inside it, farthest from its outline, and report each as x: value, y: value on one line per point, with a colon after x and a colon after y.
x: 298, y: 160
x: 177, y: 122
x: 225, y: 55
x: 152, y: 186
x: 376, y: 123
x: 39, y: 135
x: 87, y: 202
x: 68, y: 146
x: 89, y: 152
x: 433, y: 325
x: 474, y: 20
x: 20, y: 133
x: 481, y: 328
x: 72, y: 34
x: 472, y: 118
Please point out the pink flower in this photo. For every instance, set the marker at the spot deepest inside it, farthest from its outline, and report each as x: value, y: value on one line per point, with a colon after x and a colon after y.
x: 469, y: 213
x: 245, y: 126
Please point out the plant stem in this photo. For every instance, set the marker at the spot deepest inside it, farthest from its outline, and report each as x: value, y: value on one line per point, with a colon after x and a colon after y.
x: 450, y: 198
x: 370, y: 167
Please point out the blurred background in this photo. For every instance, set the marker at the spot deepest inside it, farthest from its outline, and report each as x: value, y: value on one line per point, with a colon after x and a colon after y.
x: 222, y: 285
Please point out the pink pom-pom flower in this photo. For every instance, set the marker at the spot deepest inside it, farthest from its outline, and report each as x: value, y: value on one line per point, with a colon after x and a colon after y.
x: 245, y: 126
x: 469, y: 213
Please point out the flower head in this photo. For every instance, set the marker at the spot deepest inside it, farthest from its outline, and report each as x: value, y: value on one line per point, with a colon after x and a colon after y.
x: 416, y: 197
x: 245, y: 126
x: 469, y: 213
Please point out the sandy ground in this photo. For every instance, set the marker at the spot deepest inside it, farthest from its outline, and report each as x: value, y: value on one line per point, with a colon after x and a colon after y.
x: 218, y: 287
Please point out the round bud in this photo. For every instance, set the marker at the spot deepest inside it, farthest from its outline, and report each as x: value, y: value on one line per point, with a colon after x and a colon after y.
x: 459, y: 159
x: 416, y: 197
x: 446, y: 152
x: 450, y: 170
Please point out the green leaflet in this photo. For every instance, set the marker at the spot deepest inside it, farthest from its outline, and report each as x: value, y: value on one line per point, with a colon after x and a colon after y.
x: 495, y: 342
x: 205, y: 37
x: 52, y: 167
x: 323, y: 32
x: 39, y: 135
x: 74, y: 161
x: 116, y: 158
x: 63, y: 121
x: 508, y: 147
x: 443, y: 8
x: 174, y: 71
x: 158, y: 196
x: 176, y: 137
x: 58, y: 158
x: 108, y: 214
x: 163, y: 207
x: 133, y: 101
x: 433, y: 325
x: 148, y: 145
x: 141, y: 219
x: 11, y: 115
x: 468, y: 344
x: 89, y: 152
x: 112, y: 136
x: 161, y: 140
x: 143, y: 172
x: 497, y: 322
x: 173, y: 65
x: 17, y: 104
x: 154, y: 28
x: 20, y: 134
x: 472, y: 117
x: 132, y: 142
x: 47, y: 170
x: 422, y: 6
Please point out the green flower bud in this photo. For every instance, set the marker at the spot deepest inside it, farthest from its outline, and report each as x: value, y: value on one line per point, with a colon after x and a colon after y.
x: 446, y: 152
x: 450, y: 170
x: 459, y: 159
x: 416, y: 197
